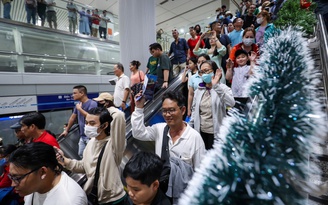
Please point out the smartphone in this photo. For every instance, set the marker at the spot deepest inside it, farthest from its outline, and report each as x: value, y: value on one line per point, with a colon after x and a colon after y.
x: 61, y: 157
x: 208, y: 34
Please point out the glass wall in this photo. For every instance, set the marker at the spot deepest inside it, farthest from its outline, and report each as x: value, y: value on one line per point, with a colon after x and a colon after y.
x: 55, y: 121
x: 30, y: 50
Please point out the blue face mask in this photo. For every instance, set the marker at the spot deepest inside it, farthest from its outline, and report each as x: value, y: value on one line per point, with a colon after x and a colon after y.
x: 228, y: 17
x: 207, y: 78
x: 221, y: 17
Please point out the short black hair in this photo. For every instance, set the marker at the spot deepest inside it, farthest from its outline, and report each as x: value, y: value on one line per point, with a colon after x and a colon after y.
x: 175, y: 96
x: 145, y: 167
x: 104, y: 117
x: 207, y: 57
x: 120, y: 66
x: 7, y: 150
x: 193, y: 59
x: 35, y: 118
x: 239, y: 52
x: 36, y: 155
x: 81, y: 88
x: 155, y: 46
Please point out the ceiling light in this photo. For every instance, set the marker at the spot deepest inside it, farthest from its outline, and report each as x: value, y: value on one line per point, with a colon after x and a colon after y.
x: 116, y: 33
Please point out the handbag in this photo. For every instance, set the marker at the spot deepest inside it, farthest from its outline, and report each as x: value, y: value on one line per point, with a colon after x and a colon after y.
x: 93, y: 196
x: 138, y: 86
x: 165, y: 156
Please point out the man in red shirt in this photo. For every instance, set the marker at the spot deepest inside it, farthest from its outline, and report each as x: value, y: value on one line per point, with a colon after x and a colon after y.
x: 95, y: 23
x: 33, y: 125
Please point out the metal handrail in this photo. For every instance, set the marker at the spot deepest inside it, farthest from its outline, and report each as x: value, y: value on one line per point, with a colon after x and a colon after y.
x: 321, y: 34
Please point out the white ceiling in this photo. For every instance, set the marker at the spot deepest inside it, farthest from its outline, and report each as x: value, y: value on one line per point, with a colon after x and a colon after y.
x: 170, y: 15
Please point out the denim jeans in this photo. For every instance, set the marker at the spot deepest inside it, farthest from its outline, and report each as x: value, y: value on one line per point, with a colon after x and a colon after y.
x: 30, y: 13
x: 82, y: 144
x: 6, y: 11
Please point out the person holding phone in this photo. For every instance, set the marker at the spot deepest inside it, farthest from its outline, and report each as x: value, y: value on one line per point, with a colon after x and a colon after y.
x: 216, y: 52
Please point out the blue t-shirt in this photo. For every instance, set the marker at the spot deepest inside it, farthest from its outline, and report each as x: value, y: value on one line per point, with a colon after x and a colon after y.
x: 179, y: 49
x: 236, y: 37
x: 194, y: 81
x: 80, y: 118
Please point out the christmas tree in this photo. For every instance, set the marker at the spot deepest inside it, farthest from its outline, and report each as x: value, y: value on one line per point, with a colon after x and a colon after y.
x: 291, y: 14
x: 264, y: 157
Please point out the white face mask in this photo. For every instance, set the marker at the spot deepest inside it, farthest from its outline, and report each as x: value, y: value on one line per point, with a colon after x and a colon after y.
x: 259, y: 20
x: 248, y: 41
x: 91, y: 131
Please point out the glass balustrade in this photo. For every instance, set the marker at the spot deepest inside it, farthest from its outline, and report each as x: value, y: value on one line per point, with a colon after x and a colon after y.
x: 26, y: 49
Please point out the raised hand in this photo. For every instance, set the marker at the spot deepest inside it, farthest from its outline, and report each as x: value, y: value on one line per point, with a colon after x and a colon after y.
x: 216, y: 78
x: 253, y: 56
x: 229, y: 64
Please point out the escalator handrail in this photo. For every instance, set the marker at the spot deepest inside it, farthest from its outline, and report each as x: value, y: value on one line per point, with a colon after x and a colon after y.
x: 321, y: 34
x: 154, y: 105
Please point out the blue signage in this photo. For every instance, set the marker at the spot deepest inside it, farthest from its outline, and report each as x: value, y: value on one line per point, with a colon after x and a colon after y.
x: 59, y: 101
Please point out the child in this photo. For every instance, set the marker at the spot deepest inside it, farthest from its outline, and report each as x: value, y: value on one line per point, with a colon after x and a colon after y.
x: 240, y: 74
x: 142, y: 173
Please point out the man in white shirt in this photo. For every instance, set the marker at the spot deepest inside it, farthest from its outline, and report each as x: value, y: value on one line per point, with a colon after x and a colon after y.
x: 103, y: 24
x: 37, y: 175
x: 184, y: 142
x: 122, y: 87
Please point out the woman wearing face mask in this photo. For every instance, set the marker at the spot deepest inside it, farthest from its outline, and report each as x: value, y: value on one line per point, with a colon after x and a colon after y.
x: 209, y: 103
x: 216, y: 52
x: 109, y: 187
x: 248, y: 44
x: 194, y: 81
x: 265, y: 29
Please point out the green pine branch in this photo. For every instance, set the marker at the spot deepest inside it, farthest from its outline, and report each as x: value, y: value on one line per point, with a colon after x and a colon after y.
x: 292, y: 15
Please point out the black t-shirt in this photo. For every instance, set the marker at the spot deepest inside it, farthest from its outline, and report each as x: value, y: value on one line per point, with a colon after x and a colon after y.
x: 163, y: 63
x: 160, y: 199
x: 248, y: 20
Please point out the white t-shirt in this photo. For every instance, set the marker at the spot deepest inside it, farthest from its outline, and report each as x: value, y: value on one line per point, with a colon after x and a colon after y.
x: 103, y: 23
x: 122, y: 83
x: 50, y: 8
x: 240, y: 76
x: 67, y: 191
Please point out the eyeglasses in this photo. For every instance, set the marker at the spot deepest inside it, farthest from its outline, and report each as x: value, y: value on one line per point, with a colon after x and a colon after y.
x: 204, y: 71
x: 18, y: 179
x: 169, y: 111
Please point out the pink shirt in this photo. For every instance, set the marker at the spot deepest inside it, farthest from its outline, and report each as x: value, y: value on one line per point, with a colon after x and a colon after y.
x: 137, y: 78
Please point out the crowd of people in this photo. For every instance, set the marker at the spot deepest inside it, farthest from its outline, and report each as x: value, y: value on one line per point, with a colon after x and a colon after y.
x: 90, y: 21
x: 215, y: 65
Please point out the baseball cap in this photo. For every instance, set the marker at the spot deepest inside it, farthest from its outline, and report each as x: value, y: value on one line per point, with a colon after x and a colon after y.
x: 104, y: 96
x: 16, y: 126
